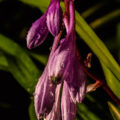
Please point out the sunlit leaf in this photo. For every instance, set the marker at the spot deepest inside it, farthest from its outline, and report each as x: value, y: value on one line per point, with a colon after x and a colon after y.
x: 20, y: 64
x: 41, y: 4
x: 111, y: 80
x: 104, y: 19
x: 32, y: 111
x: 92, y: 9
x: 92, y: 109
x: 85, y: 113
x: 3, y: 60
x: 114, y: 111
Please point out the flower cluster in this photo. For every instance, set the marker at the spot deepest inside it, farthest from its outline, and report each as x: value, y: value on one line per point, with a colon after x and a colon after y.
x: 62, y: 83
x: 49, y: 22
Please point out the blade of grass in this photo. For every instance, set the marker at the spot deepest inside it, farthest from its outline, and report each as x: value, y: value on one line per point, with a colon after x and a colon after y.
x: 32, y: 111
x: 115, y: 113
x: 101, y: 21
x: 92, y: 9
x: 20, y: 64
x: 112, y: 81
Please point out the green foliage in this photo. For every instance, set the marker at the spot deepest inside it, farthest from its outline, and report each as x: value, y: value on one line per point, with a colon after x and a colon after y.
x: 18, y: 61
x: 3, y: 60
x: 114, y: 111
x: 41, y: 4
x: 32, y: 111
x: 112, y: 81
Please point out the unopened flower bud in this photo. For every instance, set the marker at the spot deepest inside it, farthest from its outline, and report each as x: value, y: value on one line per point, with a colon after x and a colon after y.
x: 37, y: 33
x: 54, y: 18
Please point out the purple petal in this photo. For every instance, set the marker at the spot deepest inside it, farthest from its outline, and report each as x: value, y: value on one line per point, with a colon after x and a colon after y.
x: 37, y: 33
x: 54, y: 18
x: 55, y: 113
x: 68, y: 107
x: 61, y: 61
x: 76, y: 81
x: 44, y: 96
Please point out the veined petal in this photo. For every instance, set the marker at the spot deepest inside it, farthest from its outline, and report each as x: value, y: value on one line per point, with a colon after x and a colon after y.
x: 37, y: 33
x: 61, y: 60
x: 68, y: 107
x: 44, y: 96
x: 76, y: 81
x: 55, y: 112
x: 54, y: 18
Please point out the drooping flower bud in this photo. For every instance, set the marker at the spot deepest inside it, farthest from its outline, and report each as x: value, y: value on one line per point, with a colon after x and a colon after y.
x: 37, y: 33
x: 54, y: 18
x: 68, y: 107
x: 44, y: 96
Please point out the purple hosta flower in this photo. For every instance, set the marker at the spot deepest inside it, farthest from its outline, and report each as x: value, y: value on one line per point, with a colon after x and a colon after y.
x: 68, y: 107
x: 44, y: 95
x: 55, y: 112
x: 54, y: 17
x: 64, y: 65
x: 61, y: 60
x: 37, y: 33
x: 76, y: 81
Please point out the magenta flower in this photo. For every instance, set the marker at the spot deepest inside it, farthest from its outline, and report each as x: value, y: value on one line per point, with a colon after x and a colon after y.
x: 64, y: 65
x: 55, y: 112
x: 37, y: 33
x: 44, y: 96
x: 76, y: 81
x: 68, y: 107
x: 61, y: 60
x: 63, y: 68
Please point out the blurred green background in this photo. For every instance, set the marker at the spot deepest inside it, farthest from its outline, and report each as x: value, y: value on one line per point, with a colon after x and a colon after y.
x: 20, y: 68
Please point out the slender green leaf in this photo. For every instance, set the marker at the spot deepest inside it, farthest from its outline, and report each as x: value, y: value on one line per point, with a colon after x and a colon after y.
x: 104, y: 19
x: 114, y: 111
x: 32, y: 111
x: 118, y: 39
x: 3, y: 60
x: 92, y: 9
x: 41, y: 4
x: 111, y: 80
x: 85, y: 113
x: 20, y: 64
x: 41, y: 58
x: 12, y: 48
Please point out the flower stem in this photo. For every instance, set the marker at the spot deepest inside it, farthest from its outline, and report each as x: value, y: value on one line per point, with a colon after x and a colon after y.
x: 56, y: 42
x: 72, y: 16
x: 67, y: 9
x: 106, y: 88
x: 99, y: 81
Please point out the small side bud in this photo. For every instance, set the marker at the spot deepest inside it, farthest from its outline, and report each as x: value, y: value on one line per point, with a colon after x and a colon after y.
x: 37, y: 33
